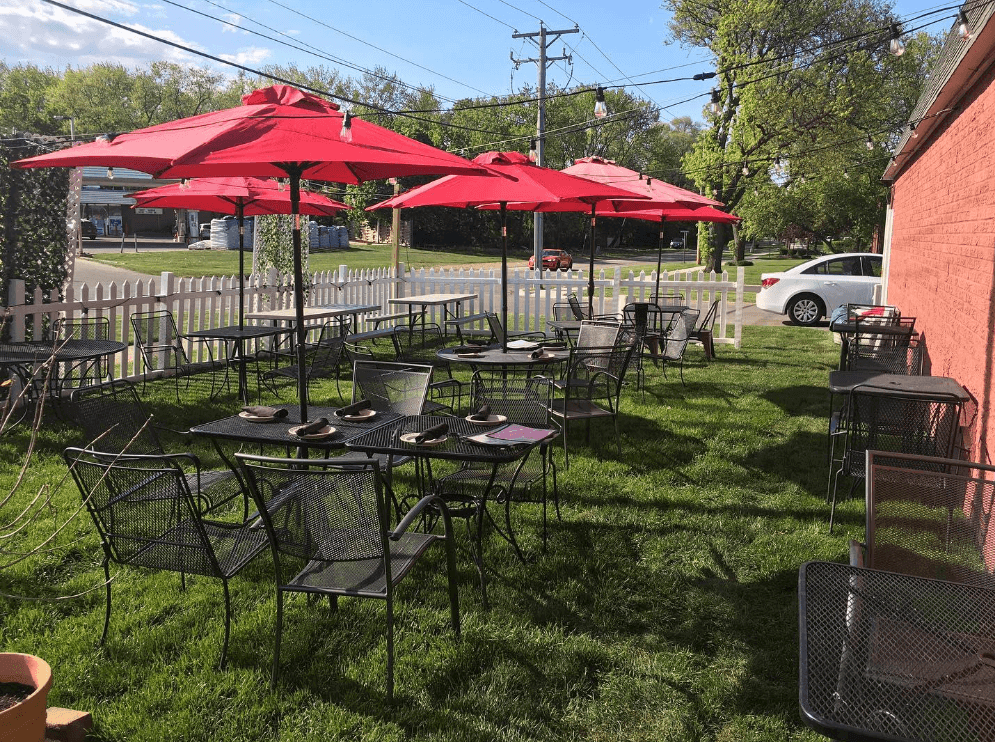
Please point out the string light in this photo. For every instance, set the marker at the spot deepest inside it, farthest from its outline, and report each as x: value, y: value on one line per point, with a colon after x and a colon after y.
x: 963, y: 26
x: 110, y: 173
x: 533, y: 154
x: 746, y: 170
x: 912, y: 130
x: 346, y: 134
x: 600, y: 109
x: 896, y: 46
x: 716, y: 102
x: 869, y: 142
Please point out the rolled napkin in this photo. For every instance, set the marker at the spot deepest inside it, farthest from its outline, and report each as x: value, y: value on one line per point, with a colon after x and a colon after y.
x: 536, y: 353
x: 432, y: 433
x: 354, y: 409
x: 313, y: 427
x: 258, y: 410
x: 482, y: 414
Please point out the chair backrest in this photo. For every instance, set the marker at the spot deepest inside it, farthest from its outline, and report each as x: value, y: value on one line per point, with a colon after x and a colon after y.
x: 82, y: 328
x: 681, y: 332
x: 516, y: 394
x: 888, y: 358
x: 643, y: 318
x: 497, y: 329
x: 419, y: 344
x: 597, y: 334
x: 604, y: 368
x: 320, y: 511
x: 114, y: 413
x: 709, y: 319
x: 327, y: 352
x: 579, y: 312
x: 391, y: 387
x: 562, y: 311
x: 930, y: 517
x: 671, y: 300
x: 144, y: 510
x: 899, y: 423
x: 158, y: 340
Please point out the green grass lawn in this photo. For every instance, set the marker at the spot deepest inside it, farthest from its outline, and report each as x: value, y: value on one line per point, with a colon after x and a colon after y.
x: 664, y: 608
x: 197, y: 263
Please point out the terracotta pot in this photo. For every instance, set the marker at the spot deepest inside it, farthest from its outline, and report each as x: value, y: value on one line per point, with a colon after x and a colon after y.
x: 25, y: 722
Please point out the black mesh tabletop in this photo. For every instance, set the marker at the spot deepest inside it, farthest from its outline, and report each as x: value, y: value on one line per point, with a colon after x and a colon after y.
x: 234, y: 332
x: 238, y: 428
x: 491, y: 355
x: 887, y: 656
x: 16, y: 354
x: 850, y: 326
x: 386, y: 440
x: 870, y: 382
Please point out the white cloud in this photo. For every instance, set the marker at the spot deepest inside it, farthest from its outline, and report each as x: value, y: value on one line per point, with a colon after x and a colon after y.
x: 234, y: 21
x: 51, y: 36
x: 252, y: 55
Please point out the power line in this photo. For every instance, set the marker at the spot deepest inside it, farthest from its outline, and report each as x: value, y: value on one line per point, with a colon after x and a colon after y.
x: 374, y: 46
x: 515, y: 7
x: 474, y: 7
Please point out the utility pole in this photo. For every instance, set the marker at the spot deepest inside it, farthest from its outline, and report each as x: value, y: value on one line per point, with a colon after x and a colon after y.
x: 541, y: 39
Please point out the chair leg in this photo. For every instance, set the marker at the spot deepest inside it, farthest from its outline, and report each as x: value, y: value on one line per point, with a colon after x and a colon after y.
x: 224, y: 647
x: 107, y: 582
x: 333, y: 603
x: 279, y: 633
x: 566, y: 456
x: 390, y: 649
x: 681, y: 368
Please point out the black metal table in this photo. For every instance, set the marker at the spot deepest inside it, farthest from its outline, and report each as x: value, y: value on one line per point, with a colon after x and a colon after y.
x: 23, y: 358
x: 234, y: 338
x: 843, y: 382
x: 491, y: 355
x: 887, y: 656
x: 848, y: 328
x: 385, y: 440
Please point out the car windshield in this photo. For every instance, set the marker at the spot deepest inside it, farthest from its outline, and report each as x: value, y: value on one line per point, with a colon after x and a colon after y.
x: 550, y: 254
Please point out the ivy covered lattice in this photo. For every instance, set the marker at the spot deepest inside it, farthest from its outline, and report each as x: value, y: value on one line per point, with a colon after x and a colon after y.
x: 273, y: 247
x: 34, y: 244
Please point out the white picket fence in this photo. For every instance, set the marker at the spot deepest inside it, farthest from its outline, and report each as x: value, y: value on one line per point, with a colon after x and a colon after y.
x: 199, y: 303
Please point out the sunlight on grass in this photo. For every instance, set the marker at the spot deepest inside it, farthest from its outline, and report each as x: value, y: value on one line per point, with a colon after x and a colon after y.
x: 664, y: 608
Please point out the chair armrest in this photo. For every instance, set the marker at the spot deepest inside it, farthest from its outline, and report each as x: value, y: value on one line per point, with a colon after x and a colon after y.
x: 416, y: 511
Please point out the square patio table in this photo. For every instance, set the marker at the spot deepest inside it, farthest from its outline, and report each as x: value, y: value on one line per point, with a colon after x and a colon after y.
x: 385, y: 440
x: 887, y: 656
x: 436, y: 300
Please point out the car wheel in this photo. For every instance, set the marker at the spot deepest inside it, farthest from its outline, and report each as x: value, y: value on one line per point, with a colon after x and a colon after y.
x: 805, y: 310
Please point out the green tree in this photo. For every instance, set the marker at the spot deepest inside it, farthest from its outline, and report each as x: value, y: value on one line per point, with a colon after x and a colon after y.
x: 24, y: 99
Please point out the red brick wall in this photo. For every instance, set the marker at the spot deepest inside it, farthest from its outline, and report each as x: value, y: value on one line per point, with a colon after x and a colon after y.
x: 942, y: 268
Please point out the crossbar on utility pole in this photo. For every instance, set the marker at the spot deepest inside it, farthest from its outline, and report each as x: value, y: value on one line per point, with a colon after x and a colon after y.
x: 541, y: 40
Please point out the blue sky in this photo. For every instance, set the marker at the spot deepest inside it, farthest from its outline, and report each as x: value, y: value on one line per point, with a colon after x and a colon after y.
x: 460, y: 48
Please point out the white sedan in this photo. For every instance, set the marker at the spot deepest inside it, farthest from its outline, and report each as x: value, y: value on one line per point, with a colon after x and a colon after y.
x: 812, y: 290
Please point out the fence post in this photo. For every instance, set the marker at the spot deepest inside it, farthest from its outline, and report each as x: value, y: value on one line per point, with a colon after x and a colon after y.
x: 399, y: 280
x: 738, y: 327
x: 15, y: 298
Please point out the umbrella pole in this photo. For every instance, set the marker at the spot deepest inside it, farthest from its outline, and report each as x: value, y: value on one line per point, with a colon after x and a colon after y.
x: 240, y: 213
x: 295, y: 203
x: 590, y: 274
x: 504, y: 275
x: 659, y: 259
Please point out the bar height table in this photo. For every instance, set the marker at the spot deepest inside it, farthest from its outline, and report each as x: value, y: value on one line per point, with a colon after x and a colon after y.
x: 435, y: 300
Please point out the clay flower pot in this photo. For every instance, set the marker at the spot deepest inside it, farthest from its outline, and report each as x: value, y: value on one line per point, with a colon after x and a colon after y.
x: 25, y: 721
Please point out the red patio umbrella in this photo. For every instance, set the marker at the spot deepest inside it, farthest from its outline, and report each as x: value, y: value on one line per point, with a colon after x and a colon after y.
x: 278, y: 131
x: 241, y: 197
x: 524, y: 182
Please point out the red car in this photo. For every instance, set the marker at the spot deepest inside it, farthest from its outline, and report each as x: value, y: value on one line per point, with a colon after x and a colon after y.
x: 554, y: 260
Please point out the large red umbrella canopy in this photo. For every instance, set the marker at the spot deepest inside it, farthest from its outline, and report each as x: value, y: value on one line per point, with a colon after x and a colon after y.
x: 255, y: 196
x: 241, y: 197
x: 677, y: 214
x: 278, y: 131
x: 528, y: 185
x: 606, y: 171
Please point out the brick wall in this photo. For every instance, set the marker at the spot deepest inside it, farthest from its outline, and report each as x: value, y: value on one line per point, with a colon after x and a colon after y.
x: 942, y: 267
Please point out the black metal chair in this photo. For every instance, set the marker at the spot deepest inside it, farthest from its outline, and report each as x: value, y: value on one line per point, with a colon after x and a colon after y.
x: 590, y: 388
x: 522, y: 399
x: 160, y: 345
x: 501, y: 334
x: 114, y: 419
x: 704, y: 332
x: 147, y: 516
x: 445, y: 396
x: 335, y: 521
x: 898, y: 423
x: 676, y: 342
x: 579, y: 312
x: 84, y: 373
x: 323, y: 359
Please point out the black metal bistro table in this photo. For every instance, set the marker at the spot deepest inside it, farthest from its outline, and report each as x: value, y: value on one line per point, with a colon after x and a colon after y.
x: 887, y: 656
x: 238, y: 428
x: 492, y: 356
x: 234, y: 338
x: 386, y: 440
x: 23, y: 358
x: 848, y: 328
x: 942, y: 387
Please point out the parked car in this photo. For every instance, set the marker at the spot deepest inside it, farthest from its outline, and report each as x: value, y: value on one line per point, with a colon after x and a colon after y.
x: 554, y: 260
x: 812, y: 290
x: 88, y: 229
x: 205, y: 231
x: 677, y: 244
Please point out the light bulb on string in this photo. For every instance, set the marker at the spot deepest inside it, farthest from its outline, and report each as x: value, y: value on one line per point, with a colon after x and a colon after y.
x: 716, y: 103
x: 110, y: 173
x: 746, y: 170
x: 346, y: 134
x: 963, y: 26
x: 869, y: 142
x: 533, y: 154
x: 600, y: 109
x: 913, y: 134
x: 896, y: 46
